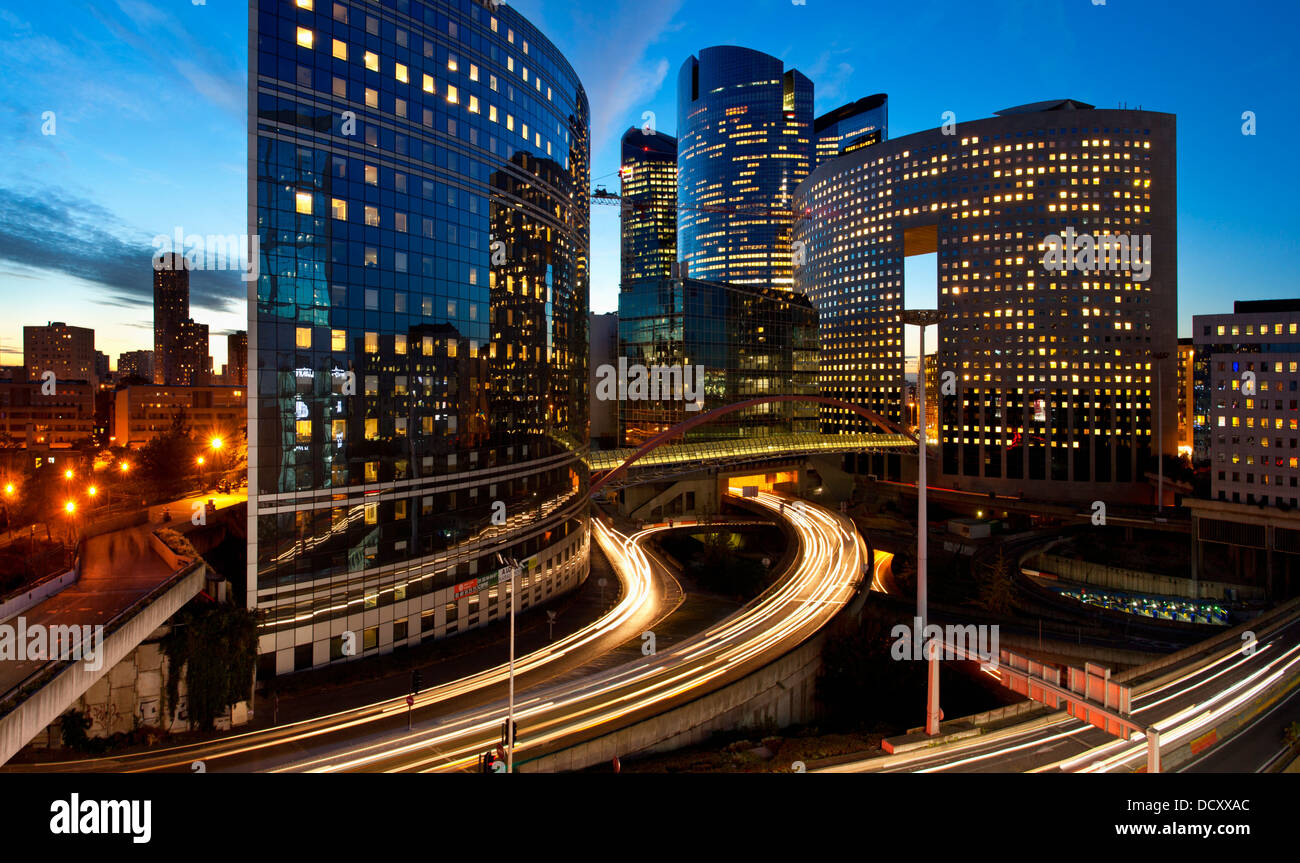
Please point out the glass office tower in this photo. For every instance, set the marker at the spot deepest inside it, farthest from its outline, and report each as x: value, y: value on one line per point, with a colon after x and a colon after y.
x: 751, y: 341
x: 745, y: 141
x: 851, y: 127
x: 648, y: 187
x: 418, y: 337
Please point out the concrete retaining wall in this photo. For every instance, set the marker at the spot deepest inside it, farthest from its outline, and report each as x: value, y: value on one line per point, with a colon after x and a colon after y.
x: 131, y: 695
x: 779, y: 694
x: 1135, y: 581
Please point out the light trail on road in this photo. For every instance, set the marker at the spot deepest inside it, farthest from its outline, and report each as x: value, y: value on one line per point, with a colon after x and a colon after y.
x: 827, y: 572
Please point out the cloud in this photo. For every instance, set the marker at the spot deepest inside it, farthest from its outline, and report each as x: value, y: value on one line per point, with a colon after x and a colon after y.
x: 611, y: 52
x: 830, y: 78
x: 52, y: 230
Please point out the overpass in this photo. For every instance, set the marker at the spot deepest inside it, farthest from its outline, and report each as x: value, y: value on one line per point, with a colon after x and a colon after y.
x: 670, y: 460
x: 130, y: 583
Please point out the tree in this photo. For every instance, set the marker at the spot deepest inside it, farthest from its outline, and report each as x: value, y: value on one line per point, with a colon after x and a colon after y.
x: 166, y: 459
x: 215, y: 646
x: 996, y: 578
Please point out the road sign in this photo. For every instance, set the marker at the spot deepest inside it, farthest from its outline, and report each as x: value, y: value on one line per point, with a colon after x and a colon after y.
x: 410, y: 701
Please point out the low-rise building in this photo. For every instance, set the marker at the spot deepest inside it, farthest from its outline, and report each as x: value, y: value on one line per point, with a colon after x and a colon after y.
x: 142, y: 412
x: 35, y: 414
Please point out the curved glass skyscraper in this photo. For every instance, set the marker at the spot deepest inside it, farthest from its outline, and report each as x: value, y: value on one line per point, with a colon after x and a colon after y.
x: 418, y: 350
x: 744, y: 142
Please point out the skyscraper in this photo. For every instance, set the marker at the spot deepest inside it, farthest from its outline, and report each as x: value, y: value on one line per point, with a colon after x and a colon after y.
x: 749, y: 342
x: 851, y: 127
x: 1049, y: 353
x: 419, y: 176
x: 648, y: 188
x: 188, y: 352
x: 171, y: 308
x: 745, y: 141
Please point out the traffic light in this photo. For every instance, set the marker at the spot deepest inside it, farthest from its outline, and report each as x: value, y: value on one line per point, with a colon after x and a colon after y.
x: 416, y: 682
x: 505, y: 726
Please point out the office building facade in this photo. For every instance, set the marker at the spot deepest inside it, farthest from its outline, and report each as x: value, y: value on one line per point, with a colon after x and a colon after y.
x: 187, y: 355
x: 749, y: 341
x: 648, y: 220
x: 604, y: 352
x: 141, y: 412
x: 1186, y: 397
x: 419, y: 176
x: 1248, y: 396
x: 67, y: 351
x: 237, y: 358
x: 851, y: 127
x: 32, y: 419
x: 744, y: 142
x: 1052, y: 362
x: 135, y: 363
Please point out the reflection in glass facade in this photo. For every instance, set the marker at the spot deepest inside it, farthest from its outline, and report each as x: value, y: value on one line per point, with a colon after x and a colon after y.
x: 851, y: 127
x: 745, y: 141
x: 1053, y: 370
x: 752, y: 342
x: 648, y: 188
x: 418, y: 179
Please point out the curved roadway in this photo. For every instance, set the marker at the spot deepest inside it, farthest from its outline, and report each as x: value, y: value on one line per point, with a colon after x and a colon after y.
x: 453, y: 723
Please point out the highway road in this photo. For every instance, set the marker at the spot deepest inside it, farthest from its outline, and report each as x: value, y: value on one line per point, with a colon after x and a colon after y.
x: 551, y: 715
x: 824, y: 576
x: 649, y: 595
x: 1182, y: 709
x: 453, y: 723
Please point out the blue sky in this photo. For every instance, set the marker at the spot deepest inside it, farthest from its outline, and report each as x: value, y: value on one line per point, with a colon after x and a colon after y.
x: 149, y: 104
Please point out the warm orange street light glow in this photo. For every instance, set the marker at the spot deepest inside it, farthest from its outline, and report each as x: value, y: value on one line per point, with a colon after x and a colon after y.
x: 70, y: 507
x: 67, y: 474
x: 200, y: 459
x: 216, y: 443
x: 125, y: 466
x: 92, y: 491
x: 9, y: 488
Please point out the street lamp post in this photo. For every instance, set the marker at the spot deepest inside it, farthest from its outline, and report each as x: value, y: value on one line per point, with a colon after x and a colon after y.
x: 71, y: 509
x: 512, y: 569
x: 923, y: 318
x: 216, y: 444
x: 1160, y: 357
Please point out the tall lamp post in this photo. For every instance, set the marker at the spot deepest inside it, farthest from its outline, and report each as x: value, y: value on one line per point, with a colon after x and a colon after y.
x: 1160, y: 357
x: 512, y: 570
x: 924, y: 318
